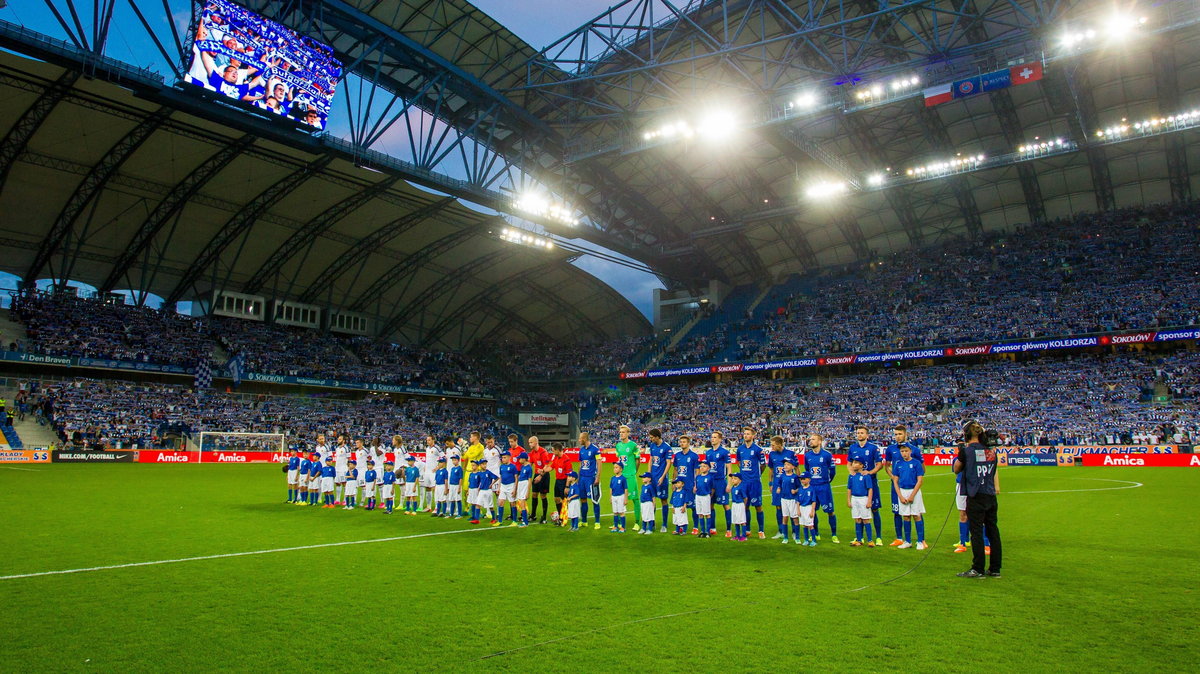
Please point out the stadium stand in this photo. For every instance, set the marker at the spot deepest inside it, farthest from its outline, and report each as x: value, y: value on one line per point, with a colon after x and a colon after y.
x: 1088, y: 399
x: 1089, y: 273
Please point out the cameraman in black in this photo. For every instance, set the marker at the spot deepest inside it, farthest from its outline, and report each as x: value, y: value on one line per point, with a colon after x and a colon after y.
x: 977, y: 463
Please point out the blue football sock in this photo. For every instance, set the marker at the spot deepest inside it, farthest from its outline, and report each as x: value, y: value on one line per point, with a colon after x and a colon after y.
x: 964, y: 533
x: 779, y: 521
x: 832, y: 524
x: 986, y: 542
x: 920, y: 531
x: 867, y: 526
x: 596, y: 511
x: 574, y: 522
x: 858, y: 527
x: 728, y: 519
x: 816, y: 525
x: 795, y: 531
x: 907, y: 531
x: 878, y: 522
x: 899, y: 522
x: 761, y: 520
x: 665, y: 512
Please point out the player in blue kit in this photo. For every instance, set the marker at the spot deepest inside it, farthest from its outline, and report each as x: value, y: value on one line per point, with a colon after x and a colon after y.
x: 908, y: 476
x: 750, y: 466
x: 618, y: 489
x: 302, y: 481
x: 293, y: 476
x: 776, y: 458
x: 524, y: 476
x: 686, y: 462
x: 441, y: 477
x: 679, y: 503
x: 589, y: 468
x: 473, y: 494
x: 858, y: 499
x: 718, y: 459
x: 387, y: 488
x: 486, y: 479
x: 660, y: 462
x: 737, y: 504
x: 818, y: 462
x: 455, y: 484
x: 574, y: 497
x: 872, y: 460
x: 891, y: 455
x: 703, y: 500
x: 787, y: 484
x: 646, y: 503
x: 351, y: 488
x: 508, y: 489
x: 806, y: 509
x: 370, y: 477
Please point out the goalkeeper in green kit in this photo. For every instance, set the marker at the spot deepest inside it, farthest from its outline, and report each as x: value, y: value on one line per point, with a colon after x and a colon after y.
x: 628, y: 454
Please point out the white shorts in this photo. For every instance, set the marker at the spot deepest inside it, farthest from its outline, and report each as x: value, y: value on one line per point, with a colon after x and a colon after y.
x: 679, y: 516
x: 314, y: 483
x: 485, y: 498
x: 739, y: 513
x: 326, y: 484
x: 293, y: 477
x: 789, y: 507
x: 427, y: 480
x: 960, y: 501
x: 806, y: 514
x: 387, y: 491
x: 647, y: 511
x: 340, y: 477
x: 410, y: 489
x: 368, y: 490
x: 860, y: 507
x: 573, y: 509
x: 440, y: 493
x: 917, y: 507
x: 508, y: 492
x: 704, y: 505
x: 473, y: 496
x: 618, y: 504
x: 523, y: 490
x: 351, y: 488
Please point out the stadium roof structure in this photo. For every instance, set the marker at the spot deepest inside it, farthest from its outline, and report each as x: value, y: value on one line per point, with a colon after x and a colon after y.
x: 780, y: 98
x: 104, y: 187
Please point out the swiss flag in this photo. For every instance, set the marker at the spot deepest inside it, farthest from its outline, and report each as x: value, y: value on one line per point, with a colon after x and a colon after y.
x: 1026, y: 72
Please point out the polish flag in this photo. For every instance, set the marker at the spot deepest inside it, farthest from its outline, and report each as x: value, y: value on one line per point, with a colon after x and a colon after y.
x: 1026, y: 72
x: 939, y: 94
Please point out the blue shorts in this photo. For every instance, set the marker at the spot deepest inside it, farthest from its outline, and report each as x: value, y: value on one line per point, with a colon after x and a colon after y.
x: 720, y: 496
x: 661, y: 491
x: 753, y: 491
x: 689, y: 492
x: 824, y: 496
x: 876, y: 502
x: 895, y: 501
x: 588, y: 486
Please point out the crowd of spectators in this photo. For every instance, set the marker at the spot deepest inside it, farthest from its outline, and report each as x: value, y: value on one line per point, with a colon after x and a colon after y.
x: 65, y: 325
x: 1088, y: 399
x: 384, y: 362
x: 124, y: 414
x: 1127, y: 269
x: 538, y: 361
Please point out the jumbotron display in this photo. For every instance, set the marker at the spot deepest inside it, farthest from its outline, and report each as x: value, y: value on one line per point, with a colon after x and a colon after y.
x: 263, y: 64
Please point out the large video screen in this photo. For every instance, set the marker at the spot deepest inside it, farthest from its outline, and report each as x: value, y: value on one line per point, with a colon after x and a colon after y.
x: 260, y: 63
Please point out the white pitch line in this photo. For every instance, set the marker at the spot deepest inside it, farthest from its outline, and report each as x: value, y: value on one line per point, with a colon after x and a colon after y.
x: 1128, y: 485
x: 28, y: 470
x: 243, y: 554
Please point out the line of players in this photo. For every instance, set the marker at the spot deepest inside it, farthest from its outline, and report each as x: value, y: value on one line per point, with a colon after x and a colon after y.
x: 504, y: 479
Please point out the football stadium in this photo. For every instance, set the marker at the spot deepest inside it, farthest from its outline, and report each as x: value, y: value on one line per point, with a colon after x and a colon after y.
x: 615, y: 335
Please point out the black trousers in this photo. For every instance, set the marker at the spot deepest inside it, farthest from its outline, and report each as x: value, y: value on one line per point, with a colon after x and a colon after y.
x: 981, y: 516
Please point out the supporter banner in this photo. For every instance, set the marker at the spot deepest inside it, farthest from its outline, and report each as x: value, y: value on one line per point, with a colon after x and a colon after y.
x: 933, y: 353
x: 65, y: 456
x: 71, y: 361
x: 1079, y: 450
x: 542, y: 419
x: 24, y: 456
x: 1143, y: 460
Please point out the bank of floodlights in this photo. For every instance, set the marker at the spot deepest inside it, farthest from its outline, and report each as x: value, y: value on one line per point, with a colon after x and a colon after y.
x: 1039, y: 146
x: 524, y: 238
x: 954, y: 165
x: 1115, y: 28
x: 542, y: 207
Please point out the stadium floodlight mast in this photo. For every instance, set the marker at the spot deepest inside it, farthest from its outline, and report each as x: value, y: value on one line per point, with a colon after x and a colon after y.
x: 1116, y: 28
x: 825, y: 189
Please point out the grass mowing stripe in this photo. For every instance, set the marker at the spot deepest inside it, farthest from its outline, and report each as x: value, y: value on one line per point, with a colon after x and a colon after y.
x: 243, y: 554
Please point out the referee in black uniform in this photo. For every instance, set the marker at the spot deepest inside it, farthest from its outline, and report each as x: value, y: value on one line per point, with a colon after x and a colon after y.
x: 977, y: 463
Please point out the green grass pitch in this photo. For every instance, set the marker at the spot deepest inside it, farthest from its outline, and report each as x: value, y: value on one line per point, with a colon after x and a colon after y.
x: 1095, y: 577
